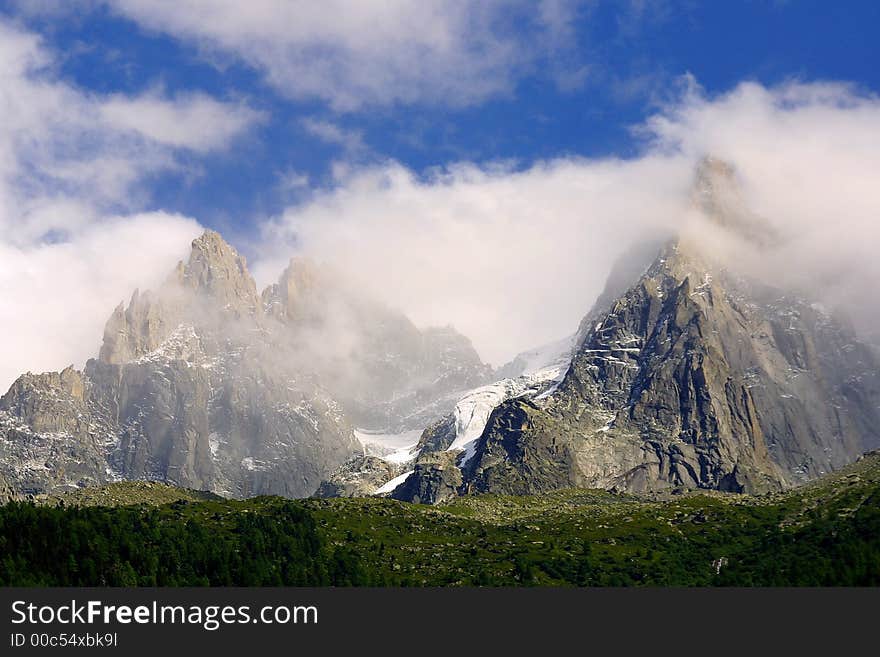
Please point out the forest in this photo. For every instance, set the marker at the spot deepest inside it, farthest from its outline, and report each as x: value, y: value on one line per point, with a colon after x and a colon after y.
x: 825, y: 534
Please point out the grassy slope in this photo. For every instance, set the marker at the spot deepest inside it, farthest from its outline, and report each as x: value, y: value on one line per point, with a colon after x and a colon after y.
x: 128, y: 493
x: 825, y: 533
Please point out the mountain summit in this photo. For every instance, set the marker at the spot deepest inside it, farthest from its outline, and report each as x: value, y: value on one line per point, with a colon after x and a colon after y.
x: 693, y: 376
x: 206, y: 384
x: 718, y: 195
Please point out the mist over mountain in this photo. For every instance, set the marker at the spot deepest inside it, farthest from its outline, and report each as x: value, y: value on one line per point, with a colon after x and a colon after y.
x: 699, y: 365
x: 207, y: 384
x: 696, y: 374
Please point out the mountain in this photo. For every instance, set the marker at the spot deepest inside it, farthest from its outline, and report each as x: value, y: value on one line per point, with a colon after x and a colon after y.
x: 207, y: 384
x: 387, y: 458
x: 693, y: 376
x: 690, y: 372
x: 390, y: 375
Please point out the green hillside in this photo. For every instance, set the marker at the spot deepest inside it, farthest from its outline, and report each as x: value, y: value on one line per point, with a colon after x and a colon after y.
x: 826, y: 533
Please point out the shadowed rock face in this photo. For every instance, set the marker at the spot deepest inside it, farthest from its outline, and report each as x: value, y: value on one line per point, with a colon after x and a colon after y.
x: 692, y: 379
x: 435, y: 479
x: 7, y: 492
x: 206, y: 384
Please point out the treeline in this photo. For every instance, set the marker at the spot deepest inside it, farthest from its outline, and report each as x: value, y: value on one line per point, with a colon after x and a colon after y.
x: 177, y: 545
x: 276, y: 542
x: 828, y: 549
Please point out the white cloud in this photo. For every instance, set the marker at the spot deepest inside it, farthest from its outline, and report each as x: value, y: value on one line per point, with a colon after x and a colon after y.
x: 512, y: 259
x: 65, y: 157
x: 56, y: 297
x: 351, y: 141
x: 515, y: 258
x: 372, y: 51
x: 193, y: 121
x: 809, y: 158
x: 292, y: 180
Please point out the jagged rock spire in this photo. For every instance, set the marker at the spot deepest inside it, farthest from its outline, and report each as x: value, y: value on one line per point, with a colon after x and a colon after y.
x: 214, y: 274
x: 215, y: 269
x: 284, y: 299
x: 717, y: 193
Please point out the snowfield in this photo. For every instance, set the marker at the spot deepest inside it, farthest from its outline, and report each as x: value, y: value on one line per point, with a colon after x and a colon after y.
x: 389, y: 486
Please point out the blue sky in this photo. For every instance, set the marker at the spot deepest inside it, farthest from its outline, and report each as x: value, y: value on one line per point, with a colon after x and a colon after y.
x: 474, y: 162
x: 631, y: 55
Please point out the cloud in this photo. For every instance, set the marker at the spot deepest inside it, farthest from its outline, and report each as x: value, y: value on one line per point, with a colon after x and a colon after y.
x: 514, y: 258
x: 291, y: 180
x: 62, y: 146
x: 372, y: 51
x: 808, y: 156
x: 193, y: 121
x: 352, y: 141
x: 56, y: 297
x: 69, y: 160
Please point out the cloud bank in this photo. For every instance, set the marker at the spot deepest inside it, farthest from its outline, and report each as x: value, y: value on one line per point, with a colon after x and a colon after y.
x: 514, y: 257
x: 375, y: 52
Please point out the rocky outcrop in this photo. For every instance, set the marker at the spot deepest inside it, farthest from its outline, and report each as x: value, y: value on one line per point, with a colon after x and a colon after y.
x: 359, y: 477
x: 435, y: 478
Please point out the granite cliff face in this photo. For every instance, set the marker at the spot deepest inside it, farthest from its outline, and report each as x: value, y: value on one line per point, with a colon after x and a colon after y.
x: 690, y: 376
x: 206, y: 384
x: 691, y: 379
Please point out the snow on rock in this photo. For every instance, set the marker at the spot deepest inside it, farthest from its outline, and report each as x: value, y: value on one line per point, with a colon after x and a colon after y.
x: 397, y: 448
x: 182, y: 344
x: 544, y: 369
x: 535, y: 373
x: 389, y: 486
x: 214, y: 444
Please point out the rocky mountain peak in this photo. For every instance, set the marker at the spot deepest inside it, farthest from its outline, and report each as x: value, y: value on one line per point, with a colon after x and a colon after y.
x: 285, y: 299
x: 217, y: 270
x: 717, y: 193
x: 714, y: 179
x: 212, y: 285
x: 687, y: 373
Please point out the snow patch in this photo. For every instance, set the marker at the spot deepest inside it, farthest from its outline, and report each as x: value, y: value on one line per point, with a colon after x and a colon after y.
x: 396, y: 448
x: 389, y: 486
x: 546, y: 367
x: 181, y: 344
